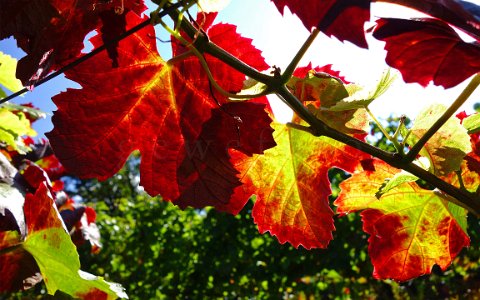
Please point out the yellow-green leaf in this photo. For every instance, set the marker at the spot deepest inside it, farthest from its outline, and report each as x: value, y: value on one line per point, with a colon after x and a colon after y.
x: 411, y: 229
x: 447, y: 147
x: 8, y: 65
x: 292, y: 186
x: 12, y: 127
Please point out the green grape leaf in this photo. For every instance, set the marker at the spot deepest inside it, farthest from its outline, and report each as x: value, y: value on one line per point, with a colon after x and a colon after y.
x: 361, y: 98
x: 472, y: 123
x: 8, y: 65
x: 447, y: 147
x: 31, y: 112
x: 322, y: 91
x: 411, y: 229
x: 54, y: 252
x: 313, y: 86
x: 402, y: 177
x: 396, y: 180
x: 12, y: 127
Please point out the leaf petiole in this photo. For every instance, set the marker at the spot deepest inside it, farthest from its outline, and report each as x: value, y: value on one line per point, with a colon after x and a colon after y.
x: 296, y: 60
x: 398, y: 146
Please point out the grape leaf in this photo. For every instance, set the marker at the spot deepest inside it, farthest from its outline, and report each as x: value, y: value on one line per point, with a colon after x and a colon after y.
x: 51, y: 32
x: 8, y: 65
x: 47, y: 234
x: 18, y: 268
x: 343, y: 19
x: 360, y: 97
x: 461, y: 14
x: 14, y: 126
x: 447, y: 147
x: 292, y: 186
x: 323, y: 91
x: 410, y: 228
x: 427, y: 50
x: 161, y: 111
x: 472, y: 123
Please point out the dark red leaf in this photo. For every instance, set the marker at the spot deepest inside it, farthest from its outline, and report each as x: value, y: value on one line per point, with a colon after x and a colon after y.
x: 161, y: 111
x: 450, y: 11
x: 18, y: 267
x: 51, y: 32
x: 343, y: 19
x: 206, y: 172
x: 428, y: 50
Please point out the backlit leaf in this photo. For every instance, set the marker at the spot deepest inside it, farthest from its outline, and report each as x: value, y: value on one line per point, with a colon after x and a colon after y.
x: 51, y: 32
x: 342, y: 19
x: 409, y: 42
x: 472, y: 123
x: 410, y: 228
x: 162, y: 111
x: 447, y: 147
x: 322, y: 91
x: 360, y: 97
x: 47, y: 234
x: 461, y: 14
x: 8, y: 65
x: 12, y: 127
x: 18, y: 268
x: 292, y: 186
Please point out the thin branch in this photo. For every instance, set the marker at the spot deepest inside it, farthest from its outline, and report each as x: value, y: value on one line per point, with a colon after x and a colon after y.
x: 94, y: 52
x: 474, y: 83
x: 10, y: 249
x: 293, y: 64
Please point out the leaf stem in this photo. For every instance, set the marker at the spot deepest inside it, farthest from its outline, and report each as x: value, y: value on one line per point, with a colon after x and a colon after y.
x: 474, y: 83
x: 393, y: 139
x: 296, y: 60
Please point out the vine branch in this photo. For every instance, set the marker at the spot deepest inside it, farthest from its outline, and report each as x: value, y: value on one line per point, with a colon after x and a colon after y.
x: 474, y: 83
x: 317, y: 127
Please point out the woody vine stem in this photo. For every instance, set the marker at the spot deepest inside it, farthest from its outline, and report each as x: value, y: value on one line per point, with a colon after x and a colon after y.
x: 276, y: 84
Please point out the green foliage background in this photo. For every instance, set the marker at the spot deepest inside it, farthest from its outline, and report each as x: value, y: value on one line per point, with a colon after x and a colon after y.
x: 157, y: 251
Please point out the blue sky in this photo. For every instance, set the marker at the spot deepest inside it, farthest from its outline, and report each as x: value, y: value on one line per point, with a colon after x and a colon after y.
x: 279, y: 38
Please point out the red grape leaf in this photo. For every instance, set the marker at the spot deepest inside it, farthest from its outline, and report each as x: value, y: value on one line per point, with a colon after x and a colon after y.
x: 242, y: 126
x: 161, y: 111
x: 343, y: 19
x: 51, y: 32
x: 292, y: 186
x: 18, y: 268
x: 47, y: 248
x: 410, y: 228
x: 427, y: 50
x: 450, y: 11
